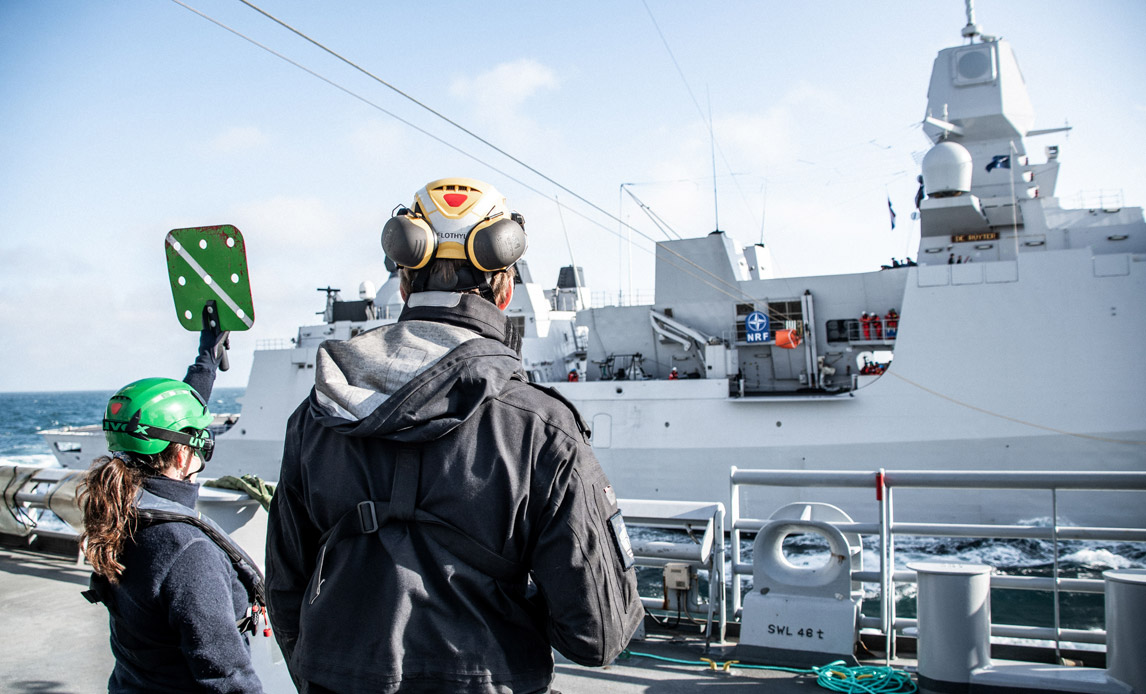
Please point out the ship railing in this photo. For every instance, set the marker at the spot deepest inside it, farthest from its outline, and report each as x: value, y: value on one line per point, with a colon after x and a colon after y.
x: 273, y: 343
x: 884, y: 481
x: 878, y: 330
x: 32, y: 489
x: 703, y: 524
x: 638, y: 297
x: 1101, y: 199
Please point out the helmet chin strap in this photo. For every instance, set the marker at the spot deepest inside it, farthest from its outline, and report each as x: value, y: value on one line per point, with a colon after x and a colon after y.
x: 202, y: 465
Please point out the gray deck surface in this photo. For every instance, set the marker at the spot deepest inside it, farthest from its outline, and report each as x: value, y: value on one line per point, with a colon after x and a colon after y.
x: 57, y: 643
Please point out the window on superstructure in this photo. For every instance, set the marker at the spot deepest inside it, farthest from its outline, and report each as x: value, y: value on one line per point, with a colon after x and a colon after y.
x: 783, y: 311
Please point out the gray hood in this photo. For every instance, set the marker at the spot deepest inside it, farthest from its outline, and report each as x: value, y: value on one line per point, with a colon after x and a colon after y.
x: 417, y: 379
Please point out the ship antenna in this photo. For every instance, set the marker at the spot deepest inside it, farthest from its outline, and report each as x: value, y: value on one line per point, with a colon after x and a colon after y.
x: 712, y: 144
x: 972, y: 29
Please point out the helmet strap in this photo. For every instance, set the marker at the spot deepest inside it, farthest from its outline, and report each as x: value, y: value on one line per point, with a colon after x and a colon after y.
x: 202, y: 465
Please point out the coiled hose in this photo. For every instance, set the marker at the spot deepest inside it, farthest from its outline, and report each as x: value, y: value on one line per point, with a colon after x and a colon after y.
x: 835, y: 676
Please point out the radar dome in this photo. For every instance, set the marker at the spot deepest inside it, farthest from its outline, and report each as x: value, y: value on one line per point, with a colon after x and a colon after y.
x: 947, y: 169
x: 366, y: 290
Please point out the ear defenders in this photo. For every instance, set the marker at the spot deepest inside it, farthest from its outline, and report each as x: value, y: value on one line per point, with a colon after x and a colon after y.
x: 456, y: 218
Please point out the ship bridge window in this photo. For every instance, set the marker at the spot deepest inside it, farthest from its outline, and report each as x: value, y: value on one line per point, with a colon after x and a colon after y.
x: 518, y: 324
x: 785, y: 310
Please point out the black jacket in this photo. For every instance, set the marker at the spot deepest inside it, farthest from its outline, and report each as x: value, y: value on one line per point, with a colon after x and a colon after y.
x: 173, y: 611
x: 495, y: 462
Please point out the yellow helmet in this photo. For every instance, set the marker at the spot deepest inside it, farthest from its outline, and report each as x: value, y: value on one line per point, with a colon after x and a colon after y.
x: 458, y: 218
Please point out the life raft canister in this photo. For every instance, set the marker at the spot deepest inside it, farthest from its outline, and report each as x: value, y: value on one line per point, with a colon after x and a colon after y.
x: 788, y: 339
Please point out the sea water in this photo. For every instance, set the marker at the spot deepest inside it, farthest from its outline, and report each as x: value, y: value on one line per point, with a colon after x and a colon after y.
x: 1075, y: 559
x: 24, y: 415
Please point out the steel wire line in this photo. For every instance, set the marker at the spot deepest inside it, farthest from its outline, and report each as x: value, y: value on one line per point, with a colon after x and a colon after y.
x: 708, y: 122
x: 739, y: 293
x: 1016, y: 420
x: 499, y: 150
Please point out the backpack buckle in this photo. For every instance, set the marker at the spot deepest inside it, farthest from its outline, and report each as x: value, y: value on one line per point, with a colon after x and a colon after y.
x: 367, y: 517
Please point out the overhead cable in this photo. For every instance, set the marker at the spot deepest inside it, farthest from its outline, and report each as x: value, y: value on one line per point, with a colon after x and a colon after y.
x: 730, y: 289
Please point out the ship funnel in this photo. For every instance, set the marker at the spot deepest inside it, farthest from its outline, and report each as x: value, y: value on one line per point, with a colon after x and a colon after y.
x: 947, y: 169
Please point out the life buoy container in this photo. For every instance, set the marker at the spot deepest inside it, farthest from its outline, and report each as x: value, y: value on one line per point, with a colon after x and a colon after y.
x: 788, y: 339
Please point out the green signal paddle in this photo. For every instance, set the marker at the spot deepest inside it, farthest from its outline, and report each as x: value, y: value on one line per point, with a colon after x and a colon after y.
x: 208, y: 266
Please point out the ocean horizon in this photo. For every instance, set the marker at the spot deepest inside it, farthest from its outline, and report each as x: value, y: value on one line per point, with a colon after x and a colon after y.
x: 24, y: 414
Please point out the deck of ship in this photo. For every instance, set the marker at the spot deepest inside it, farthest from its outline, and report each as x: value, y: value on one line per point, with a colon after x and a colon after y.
x: 59, y: 644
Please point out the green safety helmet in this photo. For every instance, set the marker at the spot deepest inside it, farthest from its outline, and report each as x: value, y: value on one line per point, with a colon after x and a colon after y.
x: 147, y: 415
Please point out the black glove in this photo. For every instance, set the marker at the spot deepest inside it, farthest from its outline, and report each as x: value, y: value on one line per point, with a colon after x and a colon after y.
x: 214, y: 343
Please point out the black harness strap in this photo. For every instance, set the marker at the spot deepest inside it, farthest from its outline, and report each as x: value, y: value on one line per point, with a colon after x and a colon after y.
x: 404, y: 492
x: 249, y: 574
x: 369, y: 517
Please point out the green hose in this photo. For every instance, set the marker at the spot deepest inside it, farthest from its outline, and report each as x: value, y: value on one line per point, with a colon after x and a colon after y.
x: 865, y: 678
x: 837, y: 677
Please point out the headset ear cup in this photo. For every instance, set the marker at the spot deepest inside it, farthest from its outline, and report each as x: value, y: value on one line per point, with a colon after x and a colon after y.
x: 409, y: 241
x: 496, y: 245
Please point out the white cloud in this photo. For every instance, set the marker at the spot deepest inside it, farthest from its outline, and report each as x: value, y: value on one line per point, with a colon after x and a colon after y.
x: 500, y: 92
x: 498, y: 100
x: 238, y: 139
x: 297, y: 223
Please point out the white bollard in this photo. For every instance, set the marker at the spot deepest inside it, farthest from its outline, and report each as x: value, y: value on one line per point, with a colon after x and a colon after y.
x: 954, y: 623
x: 1126, y: 627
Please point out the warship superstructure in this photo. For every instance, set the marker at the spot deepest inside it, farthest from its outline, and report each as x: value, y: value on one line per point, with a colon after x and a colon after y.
x: 1010, y: 343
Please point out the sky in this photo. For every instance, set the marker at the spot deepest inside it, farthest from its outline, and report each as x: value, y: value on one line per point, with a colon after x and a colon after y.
x: 121, y: 120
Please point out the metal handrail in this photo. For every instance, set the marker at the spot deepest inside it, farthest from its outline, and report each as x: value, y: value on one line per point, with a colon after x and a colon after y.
x: 685, y: 515
x: 885, y: 480
x: 36, y: 491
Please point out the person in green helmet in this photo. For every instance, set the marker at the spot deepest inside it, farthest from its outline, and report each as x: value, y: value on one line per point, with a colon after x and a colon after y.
x: 174, y: 593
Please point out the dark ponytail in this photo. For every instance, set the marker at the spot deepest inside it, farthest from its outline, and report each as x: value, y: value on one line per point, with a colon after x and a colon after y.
x: 108, y: 499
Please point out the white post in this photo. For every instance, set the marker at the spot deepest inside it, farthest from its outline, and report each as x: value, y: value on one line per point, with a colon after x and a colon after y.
x: 734, y: 506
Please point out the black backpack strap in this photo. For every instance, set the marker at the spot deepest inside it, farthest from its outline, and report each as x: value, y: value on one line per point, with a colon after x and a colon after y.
x: 245, y: 567
x: 473, y: 552
x: 99, y: 590
x: 369, y: 517
x: 404, y: 491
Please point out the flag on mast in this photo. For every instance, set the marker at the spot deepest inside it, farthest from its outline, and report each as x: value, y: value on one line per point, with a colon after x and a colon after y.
x: 891, y: 212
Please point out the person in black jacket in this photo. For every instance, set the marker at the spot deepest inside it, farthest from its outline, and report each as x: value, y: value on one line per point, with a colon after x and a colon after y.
x: 440, y: 523
x: 172, y: 594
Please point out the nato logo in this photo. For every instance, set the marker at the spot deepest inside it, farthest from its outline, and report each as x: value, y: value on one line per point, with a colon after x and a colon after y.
x: 756, y: 327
